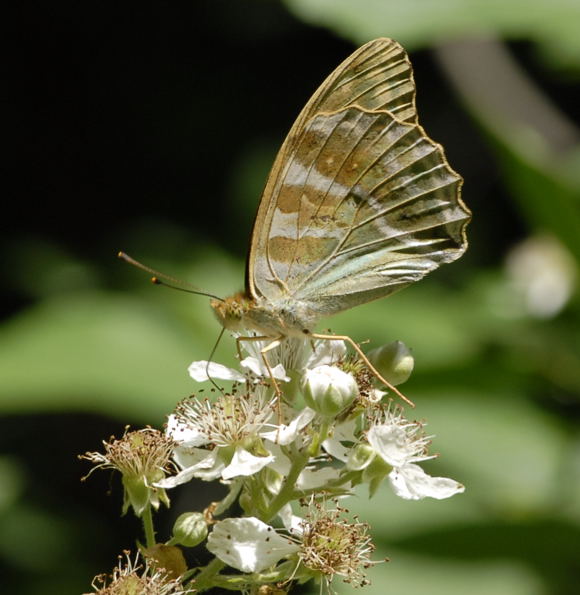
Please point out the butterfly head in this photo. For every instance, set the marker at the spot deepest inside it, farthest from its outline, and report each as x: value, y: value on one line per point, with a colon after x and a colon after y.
x: 231, y: 312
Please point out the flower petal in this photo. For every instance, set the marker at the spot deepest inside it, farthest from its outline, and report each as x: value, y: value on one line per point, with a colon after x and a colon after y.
x: 412, y: 483
x: 310, y: 479
x: 391, y: 443
x: 203, y: 370
x: 194, y: 462
x: 257, y: 366
x: 248, y: 544
x: 184, y: 434
x: 294, y: 524
x: 187, y: 457
x: 342, y: 433
x: 285, y: 435
x: 245, y: 463
x: 326, y: 353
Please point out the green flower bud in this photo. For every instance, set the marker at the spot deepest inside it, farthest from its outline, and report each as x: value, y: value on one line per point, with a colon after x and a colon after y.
x: 190, y: 529
x: 393, y: 361
x: 328, y: 390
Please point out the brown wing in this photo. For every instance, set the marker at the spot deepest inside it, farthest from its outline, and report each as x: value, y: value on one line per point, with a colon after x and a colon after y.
x: 377, y: 76
x: 360, y: 202
x: 365, y: 205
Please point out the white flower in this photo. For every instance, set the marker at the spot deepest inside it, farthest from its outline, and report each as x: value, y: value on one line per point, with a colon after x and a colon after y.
x: 143, y: 459
x: 401, y: 444
x: 398, y: 442
x: 248, y: 544
x: 331, y: 545
x: 222, y: 439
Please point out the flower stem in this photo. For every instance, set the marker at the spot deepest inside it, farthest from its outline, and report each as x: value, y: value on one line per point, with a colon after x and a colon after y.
x: 147, y: 518
x: 230, y: 498
x: 319, y: 438
x: 286, y: 494
x: 204, y: 580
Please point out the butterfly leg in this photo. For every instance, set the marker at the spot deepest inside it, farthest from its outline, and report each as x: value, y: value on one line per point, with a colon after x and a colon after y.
x: 365, y: 360
x: 271, y: 345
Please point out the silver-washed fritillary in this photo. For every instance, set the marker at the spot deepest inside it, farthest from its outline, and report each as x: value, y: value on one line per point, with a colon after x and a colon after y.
x: 360, y: 203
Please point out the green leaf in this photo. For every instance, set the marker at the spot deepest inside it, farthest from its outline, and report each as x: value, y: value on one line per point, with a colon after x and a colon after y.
x: 549, y: 199
x: 111, y: 354
x: 420, y: 23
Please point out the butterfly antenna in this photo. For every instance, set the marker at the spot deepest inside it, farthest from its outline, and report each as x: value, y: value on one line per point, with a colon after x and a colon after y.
x: 173, y: 283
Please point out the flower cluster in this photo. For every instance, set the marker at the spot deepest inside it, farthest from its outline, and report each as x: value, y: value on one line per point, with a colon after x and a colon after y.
x: 287, y: 460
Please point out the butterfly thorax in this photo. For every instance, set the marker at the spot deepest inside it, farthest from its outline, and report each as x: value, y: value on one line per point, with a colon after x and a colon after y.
x: 242, y: 313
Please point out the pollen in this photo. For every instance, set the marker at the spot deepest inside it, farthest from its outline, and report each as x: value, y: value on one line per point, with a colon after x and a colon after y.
x: 334, y: 545
x: 228, y: 420
x: 141, y: 453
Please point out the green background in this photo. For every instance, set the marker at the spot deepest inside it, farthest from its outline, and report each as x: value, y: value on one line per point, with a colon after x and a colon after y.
x: 150, y: 128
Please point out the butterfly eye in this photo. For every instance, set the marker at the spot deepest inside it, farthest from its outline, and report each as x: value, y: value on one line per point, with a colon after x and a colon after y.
x: 305, y: 331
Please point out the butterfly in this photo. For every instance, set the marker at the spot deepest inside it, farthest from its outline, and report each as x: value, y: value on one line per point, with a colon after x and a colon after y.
x: 359, y: 203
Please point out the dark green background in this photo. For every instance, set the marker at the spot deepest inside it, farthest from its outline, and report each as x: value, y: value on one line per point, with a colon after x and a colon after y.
x: 150, y: 128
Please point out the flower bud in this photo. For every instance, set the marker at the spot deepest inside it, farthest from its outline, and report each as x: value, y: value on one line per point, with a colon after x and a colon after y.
x: 328, y: 390
x: 393, y: 361
x: 190, y: 529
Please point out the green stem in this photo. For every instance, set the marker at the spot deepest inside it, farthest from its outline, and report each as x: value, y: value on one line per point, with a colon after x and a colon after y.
x: 229, y: 499
x: 286, y: 494
x: 320, y: 437
x: 204, y: 580
x: 147, y: 518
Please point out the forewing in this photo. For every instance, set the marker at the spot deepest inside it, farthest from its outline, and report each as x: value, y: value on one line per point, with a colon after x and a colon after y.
x: 364, y: 205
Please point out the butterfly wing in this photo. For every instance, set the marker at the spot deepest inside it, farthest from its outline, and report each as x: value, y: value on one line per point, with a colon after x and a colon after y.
x: 360, y: 202
x: 377, y: 76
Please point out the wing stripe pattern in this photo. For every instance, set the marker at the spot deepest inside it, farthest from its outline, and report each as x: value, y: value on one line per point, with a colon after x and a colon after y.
x: 332, y: 181
x: 360, y: 202
x: 367, y: 200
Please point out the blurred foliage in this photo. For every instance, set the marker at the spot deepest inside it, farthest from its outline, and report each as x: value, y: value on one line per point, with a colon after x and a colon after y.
x: 87, y: 346
x: 552, y: 24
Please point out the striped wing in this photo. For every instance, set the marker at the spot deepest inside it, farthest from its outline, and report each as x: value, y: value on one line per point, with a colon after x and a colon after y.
x: 377, y: 76
x: 360, y: 202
